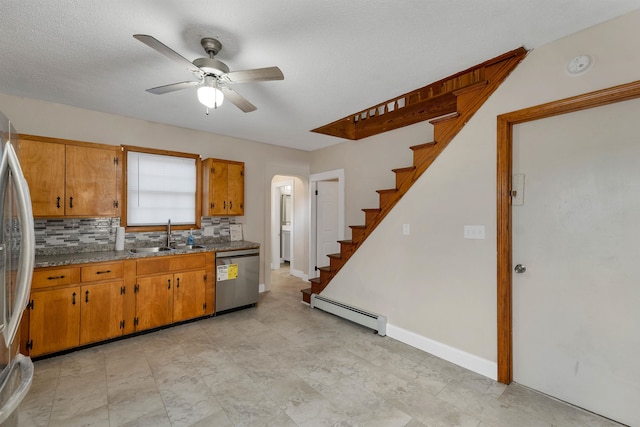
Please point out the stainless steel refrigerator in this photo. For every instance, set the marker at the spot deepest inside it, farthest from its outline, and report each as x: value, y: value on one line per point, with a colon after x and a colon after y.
x: 17, y: 251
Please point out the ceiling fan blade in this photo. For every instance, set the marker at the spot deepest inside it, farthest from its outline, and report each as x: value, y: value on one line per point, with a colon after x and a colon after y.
x: 172, y: 87
x: 159, y: 47
x: 255, y: 75
x: 238, y: 100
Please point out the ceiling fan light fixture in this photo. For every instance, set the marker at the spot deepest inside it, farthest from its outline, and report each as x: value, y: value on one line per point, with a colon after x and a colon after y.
x: 209, y: 94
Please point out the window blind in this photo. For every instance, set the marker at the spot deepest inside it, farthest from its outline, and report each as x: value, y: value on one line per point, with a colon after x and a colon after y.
x: 160, y: 188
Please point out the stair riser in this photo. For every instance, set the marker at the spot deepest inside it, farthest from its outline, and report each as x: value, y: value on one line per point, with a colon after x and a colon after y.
x: 386, y: 198
x: 401, y: 177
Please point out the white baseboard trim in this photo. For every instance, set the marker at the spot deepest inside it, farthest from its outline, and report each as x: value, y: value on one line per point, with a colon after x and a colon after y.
x: 451, y: 354
x: 300, y: 274
x: 261, y: 288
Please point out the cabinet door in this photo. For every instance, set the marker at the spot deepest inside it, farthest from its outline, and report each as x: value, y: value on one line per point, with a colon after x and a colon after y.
x: 218, y: 188
x: 154, y: 301
x: 101, y: 311
x: 43, y: 167
x: 189, y: 295
x: 54, y: 320
x: 235, y: 188
x: 91, y: 181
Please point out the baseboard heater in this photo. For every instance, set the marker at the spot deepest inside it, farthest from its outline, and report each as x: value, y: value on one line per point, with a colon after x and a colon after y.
x: 374, y: 321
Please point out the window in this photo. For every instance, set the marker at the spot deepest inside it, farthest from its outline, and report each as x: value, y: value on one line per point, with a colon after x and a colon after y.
x: 159, y: 186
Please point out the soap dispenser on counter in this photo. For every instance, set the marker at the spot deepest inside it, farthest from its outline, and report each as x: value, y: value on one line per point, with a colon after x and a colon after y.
x: 190, y: 238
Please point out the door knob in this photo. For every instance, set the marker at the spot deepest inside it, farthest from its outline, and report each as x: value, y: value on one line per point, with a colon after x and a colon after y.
x: 520, y: 268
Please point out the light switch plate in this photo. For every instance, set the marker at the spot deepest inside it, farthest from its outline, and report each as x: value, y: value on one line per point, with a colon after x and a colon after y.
x: 474, y: 231
x: 406, y: 229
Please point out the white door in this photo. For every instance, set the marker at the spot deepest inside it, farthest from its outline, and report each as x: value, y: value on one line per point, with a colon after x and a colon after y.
x: 326, y: 221
x: 576, y: 308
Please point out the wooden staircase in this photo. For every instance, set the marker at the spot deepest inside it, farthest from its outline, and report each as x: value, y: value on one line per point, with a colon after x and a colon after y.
x: 469, y: 98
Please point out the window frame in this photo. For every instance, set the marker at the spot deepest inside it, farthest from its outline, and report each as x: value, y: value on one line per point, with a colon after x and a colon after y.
x: 198, y: 195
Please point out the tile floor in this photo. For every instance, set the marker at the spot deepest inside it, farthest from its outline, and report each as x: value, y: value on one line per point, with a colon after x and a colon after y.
x: 280, y: 364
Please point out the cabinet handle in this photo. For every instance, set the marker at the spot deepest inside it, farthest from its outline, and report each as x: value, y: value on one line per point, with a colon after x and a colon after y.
x: 58, y: 203
x: 168, y: 283
x: 230, y: 204
x: 103, y: 272
x: 86, y: 296
x: 211, y: 205
x: 73, y: 299
x: 224, y: 206
x: 178, y: 282
x: 55, y: 277
x: 71, y: 202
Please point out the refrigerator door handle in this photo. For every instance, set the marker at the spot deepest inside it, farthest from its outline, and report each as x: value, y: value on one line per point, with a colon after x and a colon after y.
x: 11, y: 404
x: 10, y: 163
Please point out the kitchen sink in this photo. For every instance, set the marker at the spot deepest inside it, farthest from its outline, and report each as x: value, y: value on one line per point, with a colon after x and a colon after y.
x: 187, y: 247
x: 149, y: 250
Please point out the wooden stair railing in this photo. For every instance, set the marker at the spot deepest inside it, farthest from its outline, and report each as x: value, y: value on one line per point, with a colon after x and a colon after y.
x: 468, y: 100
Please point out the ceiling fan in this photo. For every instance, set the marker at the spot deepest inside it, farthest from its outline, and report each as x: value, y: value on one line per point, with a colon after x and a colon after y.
x: 213, y: 75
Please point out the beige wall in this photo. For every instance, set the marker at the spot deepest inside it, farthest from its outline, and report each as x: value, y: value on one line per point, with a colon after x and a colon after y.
x: 435, y: 286
x: 262, y: 161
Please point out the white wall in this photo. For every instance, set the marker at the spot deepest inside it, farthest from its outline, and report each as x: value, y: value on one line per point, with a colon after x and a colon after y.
x: 262, y: 161
x: 438, y: 289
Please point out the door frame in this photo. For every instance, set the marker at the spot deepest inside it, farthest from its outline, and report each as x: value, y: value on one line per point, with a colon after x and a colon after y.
x: 313, y: 232
x: 276, y: 238
x: 506, y: 122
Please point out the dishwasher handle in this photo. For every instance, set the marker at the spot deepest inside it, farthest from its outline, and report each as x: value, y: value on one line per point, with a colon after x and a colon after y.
x: 238, y: 254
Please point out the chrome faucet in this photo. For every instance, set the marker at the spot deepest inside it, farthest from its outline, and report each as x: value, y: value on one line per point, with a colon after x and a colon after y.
x: 169, y: 233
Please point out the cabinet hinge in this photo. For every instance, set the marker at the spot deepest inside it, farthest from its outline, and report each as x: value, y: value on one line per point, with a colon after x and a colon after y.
x: 135, y: 321
x: 115, y: 203
x: 29, y: 345
x: 204, y: 306
x: 30, y: 305
x: 115, y: 160
x: 122, y: 324
x: 315, y: 268
x: 123, y: 290
x: 316, y: 192
x: 136, y: 289
x: 205, y: 277
x: 241, y: 173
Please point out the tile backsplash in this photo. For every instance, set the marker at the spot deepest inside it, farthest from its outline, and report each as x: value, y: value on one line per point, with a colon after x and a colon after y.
x: 63, y: 235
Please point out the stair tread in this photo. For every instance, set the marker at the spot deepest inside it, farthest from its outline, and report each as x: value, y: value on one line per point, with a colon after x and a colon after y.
x: 347, y: 242
x: 407, y: 169
x: 325, y: 268
x: 371, y: 210
x: 336, y: 256
x: 388, y: 190
x: 315, y: 280
x: 358, y: 226
x: 306, y: 291
x: 422, y: 146
x: 446, y: 118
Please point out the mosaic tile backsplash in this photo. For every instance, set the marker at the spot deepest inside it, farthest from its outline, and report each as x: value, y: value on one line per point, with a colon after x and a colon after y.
x: 65, y: 235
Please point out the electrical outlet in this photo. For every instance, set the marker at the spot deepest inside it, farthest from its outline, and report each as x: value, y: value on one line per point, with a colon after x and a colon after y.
x: 406, y: 229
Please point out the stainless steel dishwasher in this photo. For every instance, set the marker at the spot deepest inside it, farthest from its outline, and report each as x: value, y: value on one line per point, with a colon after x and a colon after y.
x: 237, y: 279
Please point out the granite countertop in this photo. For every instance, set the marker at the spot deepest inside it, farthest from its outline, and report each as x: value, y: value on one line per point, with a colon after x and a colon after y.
x: 106, y: 256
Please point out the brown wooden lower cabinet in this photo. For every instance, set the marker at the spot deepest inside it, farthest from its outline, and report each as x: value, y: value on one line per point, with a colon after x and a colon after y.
x: 76, y: 305
x: 54, y: 320
x: 101, y: 311
x: 154, y: 298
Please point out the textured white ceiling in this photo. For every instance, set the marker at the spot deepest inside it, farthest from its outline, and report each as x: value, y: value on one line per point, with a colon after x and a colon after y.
x: 337, y: 56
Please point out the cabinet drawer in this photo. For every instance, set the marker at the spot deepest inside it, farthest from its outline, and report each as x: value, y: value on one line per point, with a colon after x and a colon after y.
x: 95, y: 272
x: 49, y: 277
x: 166, y: 264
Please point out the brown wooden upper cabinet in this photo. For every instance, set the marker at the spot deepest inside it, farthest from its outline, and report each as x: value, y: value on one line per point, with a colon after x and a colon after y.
x: 223, y: 187
x: 71, y: 178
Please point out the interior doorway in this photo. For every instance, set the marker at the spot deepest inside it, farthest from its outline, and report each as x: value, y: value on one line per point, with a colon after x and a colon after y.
x: 282, y: 221
x: 327, y: 217
x: 594, y: 352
